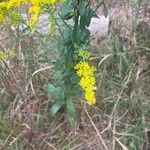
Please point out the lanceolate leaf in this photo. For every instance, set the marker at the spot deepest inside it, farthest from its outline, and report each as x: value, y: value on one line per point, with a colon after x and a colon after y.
x: 54, y: 92
x: 76, y: 33
x: 67, y: 10
x: 105, y: 10
x: 82, y: 8
x: 71, y: 114
x: 56, y: 107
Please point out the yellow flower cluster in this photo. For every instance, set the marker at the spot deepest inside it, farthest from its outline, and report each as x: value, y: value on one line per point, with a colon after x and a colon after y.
x: 15, y: 3
x: 35, y: 12
x: 7, y: 53
x: 3, y: 8
x: 35, y: 9
x: 86, y: 73
x: 84, y: 54
x: 2, y: 18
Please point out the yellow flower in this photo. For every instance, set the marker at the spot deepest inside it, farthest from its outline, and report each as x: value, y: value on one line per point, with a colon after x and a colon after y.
x: 33, y: 21
x: 3, y: 8
x: 35, y: 9
x: 38, y: 2
x: 49, y: 2
x: 90, y: 97
x: 84, y: 54
x: 2, y: 18
x: 3, y: 5
x: 35, y: 2
x: 15, y: 3
x: 87, y: 81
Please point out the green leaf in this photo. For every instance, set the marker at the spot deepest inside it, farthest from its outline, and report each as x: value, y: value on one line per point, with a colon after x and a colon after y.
x: 76, y: 33
x: 82, y: 8
x: 85, y: 36
x: 54, y: 92
x: 67, y: 37
x: 59, y: 75
x: 71, y: 114
x: 74, y: 2
x: 105, y: 10
x: 89, y: 15
x: 83, y: 22
x: 56, y: 107
x: 67, y: 10
x: 59, y: 64
x: 77, y: 92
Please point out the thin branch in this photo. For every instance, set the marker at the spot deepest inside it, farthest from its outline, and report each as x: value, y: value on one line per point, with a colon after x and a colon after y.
x: 97, y: 131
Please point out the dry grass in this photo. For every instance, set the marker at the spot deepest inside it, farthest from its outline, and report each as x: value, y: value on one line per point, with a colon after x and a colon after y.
x: 120, y: 120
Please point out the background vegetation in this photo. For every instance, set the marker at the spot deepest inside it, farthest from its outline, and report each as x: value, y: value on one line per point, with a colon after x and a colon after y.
x: 119, y: 120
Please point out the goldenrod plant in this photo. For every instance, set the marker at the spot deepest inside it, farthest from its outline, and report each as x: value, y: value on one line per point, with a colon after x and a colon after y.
x: 74, y: 76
